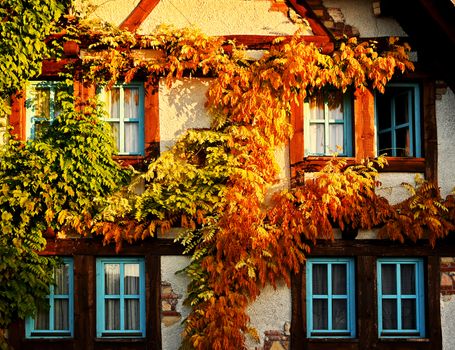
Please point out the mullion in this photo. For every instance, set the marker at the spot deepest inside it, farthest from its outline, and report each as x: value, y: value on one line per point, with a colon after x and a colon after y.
x: 122, y: 300
x: 122, y: 120
x: 51, y: 308
x: 326, y: 131
x: 329, y: 295
x: 398, y: 281
x: 392, y: 126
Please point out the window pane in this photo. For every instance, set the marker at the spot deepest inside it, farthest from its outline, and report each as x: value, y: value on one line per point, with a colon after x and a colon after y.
x: 132, y: 137
x: 336, y: 132
x: 408, y: 313
x: 132, y: 314
x: 42, y: 103
x: 113, y: 103
x: 389, y: 314
x: 112, y: 278
x: 61, y: 314
x: 131, y: 279
x: 115, y: 129
x: 112, y: 314
x: 131, y: 102
x: 384, y: 116
x: 42, y: 320
x: 335, y: 105
x: 385, y: 143
x: 316, y: 108
x: 389, y: 281
x: 339, y: 279
x: 320, y: 279
x: 61, y: 280
x: 317, y: 138
x: 339, y: 314
x: 320, y: 314
x: 402, y: 142
x: 408, y: 283
x: 401, y: 108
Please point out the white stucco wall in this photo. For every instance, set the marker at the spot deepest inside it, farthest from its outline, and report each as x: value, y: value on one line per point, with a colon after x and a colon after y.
x: 111, y: 11
x: 171, y: 335
x: 447, y: 322
x: 271, y: 311
x: 220, y: 17
x: 359, y: 13
x: 181, y: 107
x: 445, y: 116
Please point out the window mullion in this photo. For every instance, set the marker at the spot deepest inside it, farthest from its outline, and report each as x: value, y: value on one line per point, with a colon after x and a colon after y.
x: 122, y: 120
x: 329, y: 297
x: 326, y: 128
x: 122, y: 297
x: 51, y: 309
x: 392, y: 126
x: 399, y: 297
x: 51, y: 103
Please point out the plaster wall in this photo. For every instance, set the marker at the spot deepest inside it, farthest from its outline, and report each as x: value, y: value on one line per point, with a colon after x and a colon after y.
x: 181, y: 108
x: 171, y: 335
x: 111, y: 11
x: 447, y: 323
x: 445, y: 116
x: 221, y: 17
x: 359, y: 13
x: 272, y: 310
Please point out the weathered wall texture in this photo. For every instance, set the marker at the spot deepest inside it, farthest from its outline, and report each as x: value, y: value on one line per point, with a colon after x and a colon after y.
x: 181, y: 108
x: 271, y: 311
x: 220, y: 17
x: 445, y: 115
x: 171, y: 328
x: 448, y: 325
x: 112, y: 11
x: 359, y: 13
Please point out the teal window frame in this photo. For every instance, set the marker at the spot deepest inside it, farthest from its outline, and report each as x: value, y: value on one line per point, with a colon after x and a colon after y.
x: 347, y: 128
x: 350, y: 332
x: 30, y: 104
x: 122, y: 120
x: 414, y: 121
x: 31, y: 332
x: 418, y: 296
x: 101, y: 297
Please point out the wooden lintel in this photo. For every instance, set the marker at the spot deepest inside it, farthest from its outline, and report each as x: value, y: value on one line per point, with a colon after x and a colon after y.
x: 52, y: 68
x: 95, y: 246
x: 139, y: 14
x: 364, y: 124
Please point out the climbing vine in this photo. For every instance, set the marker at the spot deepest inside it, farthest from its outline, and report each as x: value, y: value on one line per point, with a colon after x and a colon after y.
x: 215, y: 183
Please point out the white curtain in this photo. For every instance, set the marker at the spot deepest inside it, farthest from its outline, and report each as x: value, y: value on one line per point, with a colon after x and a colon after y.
x: 131, y: 137
x: 59, y: 303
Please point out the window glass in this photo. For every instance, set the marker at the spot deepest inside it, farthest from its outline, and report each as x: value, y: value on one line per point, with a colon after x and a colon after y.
x: 401, y: 298
x: 330, y: 298
x: 398, y: 120
x: 124, y: 105
x: 120, y: 297
x: 57, y: 320
x: 328, y: 125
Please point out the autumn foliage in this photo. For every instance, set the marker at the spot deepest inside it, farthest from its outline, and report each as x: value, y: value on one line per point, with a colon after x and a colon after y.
x: 216, y: 183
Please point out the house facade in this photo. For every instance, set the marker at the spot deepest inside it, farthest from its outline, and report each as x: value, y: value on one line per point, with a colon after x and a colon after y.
x: 358, y: 292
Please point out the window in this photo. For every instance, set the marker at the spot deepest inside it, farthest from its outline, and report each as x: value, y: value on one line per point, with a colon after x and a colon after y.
x: 57, y: 321
x: 400, y: 298
x: 398, y: 120
x: 330, y: 298
x: 120, y: 293
x: 328, y: 126
x: 42, y: 106
x: 125, y: 109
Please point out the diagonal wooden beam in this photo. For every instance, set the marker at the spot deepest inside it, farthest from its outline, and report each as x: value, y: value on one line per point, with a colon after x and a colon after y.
x: 304, y: 10
x: 139, y: 14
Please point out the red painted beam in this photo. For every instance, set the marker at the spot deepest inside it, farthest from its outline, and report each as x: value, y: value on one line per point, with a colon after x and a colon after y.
x: 139, y: 14
x: 306, y: 12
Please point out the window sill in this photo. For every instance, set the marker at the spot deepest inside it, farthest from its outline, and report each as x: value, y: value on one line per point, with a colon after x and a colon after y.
x: 404, y: 340
x: 395, y: 164
x: 120, y: 340
x: 333, y: 340
x: 127, y: 160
